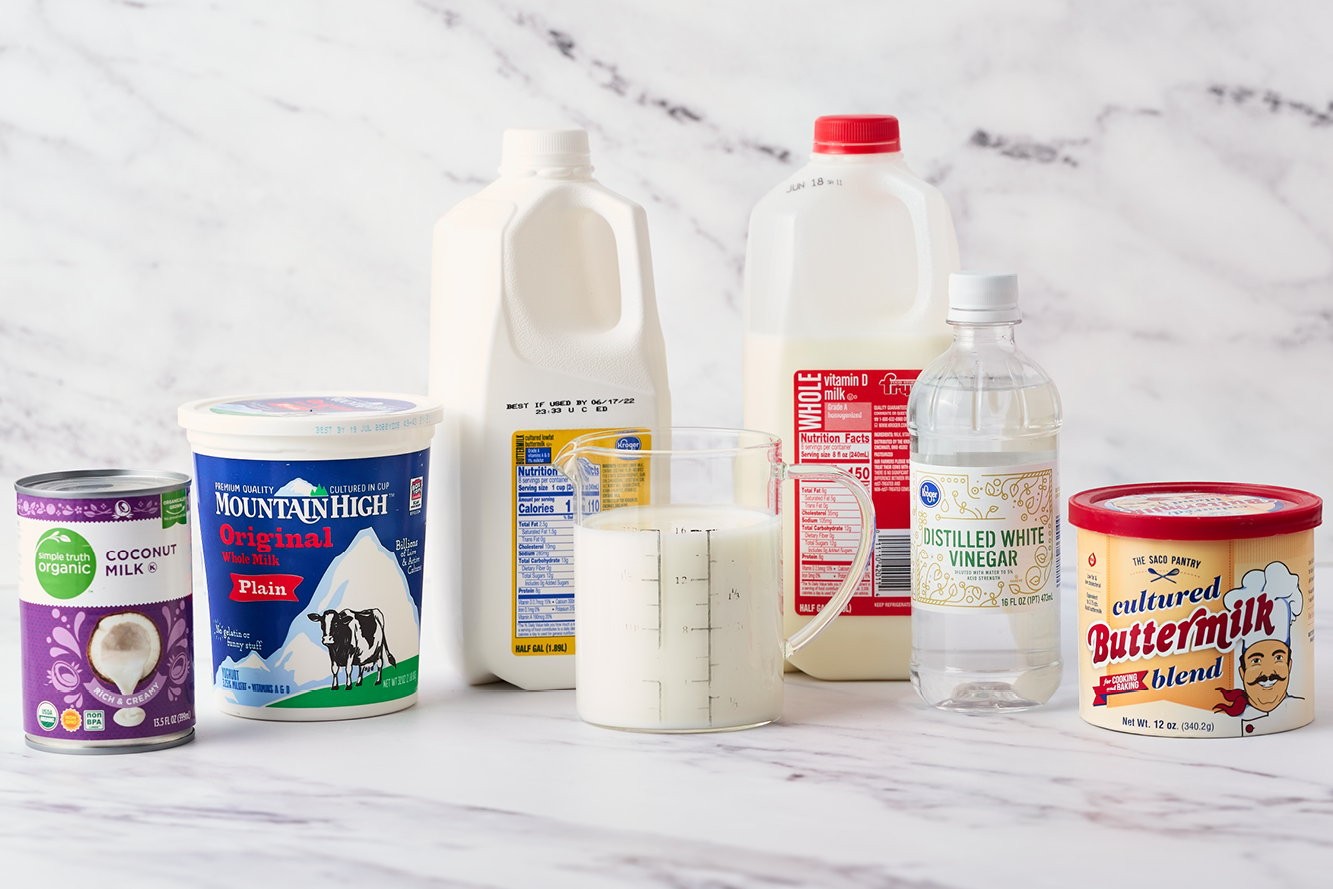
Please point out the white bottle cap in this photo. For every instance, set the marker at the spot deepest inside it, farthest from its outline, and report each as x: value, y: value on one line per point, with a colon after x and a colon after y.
x: 983, y: 298
x: 525, y: 152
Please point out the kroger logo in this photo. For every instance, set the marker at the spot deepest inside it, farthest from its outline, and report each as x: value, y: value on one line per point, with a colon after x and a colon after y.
x: 629, y: 443
x: 929, y: 493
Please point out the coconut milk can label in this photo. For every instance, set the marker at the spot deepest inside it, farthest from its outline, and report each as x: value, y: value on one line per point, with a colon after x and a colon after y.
x: 106, y: 618
x: 1207, y: 638
x: 114, y: 673
x: 854, y: 420
x: 984, y: 537
x: 314, y: 571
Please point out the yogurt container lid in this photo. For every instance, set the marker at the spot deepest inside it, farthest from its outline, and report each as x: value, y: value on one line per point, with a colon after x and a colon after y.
x: 1195, y: 510
x: 304, y: 413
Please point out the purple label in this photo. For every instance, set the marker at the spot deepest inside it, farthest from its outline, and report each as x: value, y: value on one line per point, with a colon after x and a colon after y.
x: 102, y: 509
x: 116, y: 673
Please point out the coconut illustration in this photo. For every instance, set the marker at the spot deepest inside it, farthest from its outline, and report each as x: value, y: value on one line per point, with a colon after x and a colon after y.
x: 124, y: 649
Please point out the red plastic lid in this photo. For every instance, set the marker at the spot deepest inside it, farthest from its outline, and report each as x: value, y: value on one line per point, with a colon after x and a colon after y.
x: 1195, y: 510
x: 856, y: 134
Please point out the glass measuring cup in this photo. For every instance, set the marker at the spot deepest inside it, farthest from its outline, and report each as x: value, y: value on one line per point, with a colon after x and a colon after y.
x: 678, y: 576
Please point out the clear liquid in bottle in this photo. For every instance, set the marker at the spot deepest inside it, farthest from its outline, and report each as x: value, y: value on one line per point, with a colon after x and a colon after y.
x: 984, y: 422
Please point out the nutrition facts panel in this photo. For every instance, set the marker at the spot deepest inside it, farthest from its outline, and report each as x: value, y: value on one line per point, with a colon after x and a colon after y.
x: 856, y: 421
x: 829, y: 530
x: 543, y: 547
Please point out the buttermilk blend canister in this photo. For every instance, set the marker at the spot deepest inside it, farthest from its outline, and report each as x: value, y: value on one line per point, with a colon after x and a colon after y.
x: 1196, y: 604
x: 312, y: 517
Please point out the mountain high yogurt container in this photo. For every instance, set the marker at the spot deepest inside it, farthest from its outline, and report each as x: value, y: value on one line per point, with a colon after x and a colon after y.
x: 312, y: 513
x: 1196, y: 604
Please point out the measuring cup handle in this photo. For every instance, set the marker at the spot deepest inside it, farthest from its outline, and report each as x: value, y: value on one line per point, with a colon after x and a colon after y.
x: 864, y: 545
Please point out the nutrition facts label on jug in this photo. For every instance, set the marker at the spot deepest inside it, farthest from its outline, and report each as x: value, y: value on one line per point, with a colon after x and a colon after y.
x: 543, y: 546
x: 856, y: 421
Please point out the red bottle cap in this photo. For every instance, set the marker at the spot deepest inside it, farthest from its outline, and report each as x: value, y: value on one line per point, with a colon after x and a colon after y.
x: 856, y: 134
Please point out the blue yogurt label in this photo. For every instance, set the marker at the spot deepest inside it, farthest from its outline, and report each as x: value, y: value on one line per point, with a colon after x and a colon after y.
x: 314, y: 578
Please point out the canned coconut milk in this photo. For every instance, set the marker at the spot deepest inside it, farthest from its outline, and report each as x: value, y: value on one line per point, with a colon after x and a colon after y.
x: 312, y: 515
x: 1196, y: 604
x: 105, y: 610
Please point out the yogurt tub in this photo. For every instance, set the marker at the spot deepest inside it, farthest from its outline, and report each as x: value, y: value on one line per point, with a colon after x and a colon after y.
x: 1196, y: 608
x: 312, y: 522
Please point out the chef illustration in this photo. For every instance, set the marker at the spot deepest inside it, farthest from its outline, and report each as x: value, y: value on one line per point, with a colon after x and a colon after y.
x: 1264, y: 700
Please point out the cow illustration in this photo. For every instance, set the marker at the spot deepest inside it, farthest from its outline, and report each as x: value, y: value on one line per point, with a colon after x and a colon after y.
x: 356, y: 643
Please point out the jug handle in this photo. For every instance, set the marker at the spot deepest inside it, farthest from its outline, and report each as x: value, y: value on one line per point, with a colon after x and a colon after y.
x: 864, y: 547
x: 917, y: 200
x: 629, y: 225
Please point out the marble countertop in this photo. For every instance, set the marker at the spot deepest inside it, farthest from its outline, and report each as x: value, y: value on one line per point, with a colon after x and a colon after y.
x: 858, y: 785
x: 184, y: 186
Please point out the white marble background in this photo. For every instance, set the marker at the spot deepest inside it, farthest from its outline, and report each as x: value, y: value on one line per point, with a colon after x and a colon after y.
x: 200, y: 198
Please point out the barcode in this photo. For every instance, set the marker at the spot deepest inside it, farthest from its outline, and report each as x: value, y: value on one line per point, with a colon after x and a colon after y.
x: 893, y: 563
x: 1058, y: 523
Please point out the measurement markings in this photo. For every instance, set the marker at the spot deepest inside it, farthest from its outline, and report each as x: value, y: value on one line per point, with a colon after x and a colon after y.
x: 709, y: 571
x: 657, y: 559
x: 658, y: 683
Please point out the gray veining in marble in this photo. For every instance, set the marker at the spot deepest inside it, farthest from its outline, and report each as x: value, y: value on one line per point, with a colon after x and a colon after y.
x: 197, y: 200
x: 206, y: 198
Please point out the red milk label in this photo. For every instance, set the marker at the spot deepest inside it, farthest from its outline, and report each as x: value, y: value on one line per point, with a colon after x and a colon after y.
x: 855, y: 420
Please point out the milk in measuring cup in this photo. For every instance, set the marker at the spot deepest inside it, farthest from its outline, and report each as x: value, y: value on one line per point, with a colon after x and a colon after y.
x: 670, y: 603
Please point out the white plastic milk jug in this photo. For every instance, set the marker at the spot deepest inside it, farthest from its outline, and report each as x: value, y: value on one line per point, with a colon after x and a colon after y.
x: 543, y: 327
x: 846, y: 285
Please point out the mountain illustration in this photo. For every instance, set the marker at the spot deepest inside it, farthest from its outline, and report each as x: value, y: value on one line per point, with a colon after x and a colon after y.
x: 254, y: 662
x: 306, y: 659
x: 365, y: 575
x: 299, y: 487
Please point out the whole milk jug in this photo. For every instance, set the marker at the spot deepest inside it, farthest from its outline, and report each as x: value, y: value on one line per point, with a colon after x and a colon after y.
x: 543, y: 327
x: 846, y: 291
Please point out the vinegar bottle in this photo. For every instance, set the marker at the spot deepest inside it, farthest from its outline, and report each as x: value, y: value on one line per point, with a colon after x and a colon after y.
x: 984, y: 421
